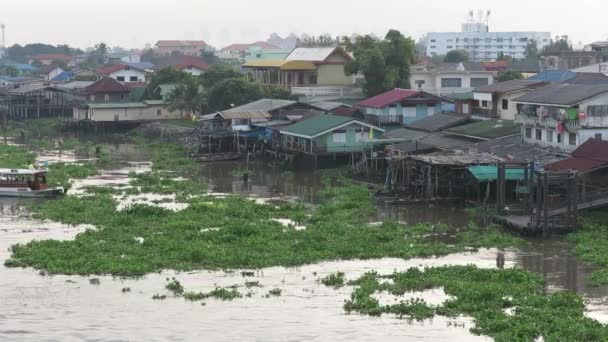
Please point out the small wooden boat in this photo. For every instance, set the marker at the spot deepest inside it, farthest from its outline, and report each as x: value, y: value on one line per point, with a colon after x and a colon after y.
x: 26, y: 183
x: 218, y: 157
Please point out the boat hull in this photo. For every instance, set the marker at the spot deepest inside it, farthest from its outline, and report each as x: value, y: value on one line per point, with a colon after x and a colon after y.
x: 49, y: 193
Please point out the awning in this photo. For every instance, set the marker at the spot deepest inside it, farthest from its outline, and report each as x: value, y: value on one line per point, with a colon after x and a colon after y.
x: 490, y: 173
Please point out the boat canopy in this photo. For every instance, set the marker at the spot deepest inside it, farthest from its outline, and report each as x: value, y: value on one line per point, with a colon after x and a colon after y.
x: 21, y: 172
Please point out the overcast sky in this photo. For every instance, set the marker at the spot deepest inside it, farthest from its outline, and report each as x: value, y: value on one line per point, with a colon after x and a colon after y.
x: 133, y: 23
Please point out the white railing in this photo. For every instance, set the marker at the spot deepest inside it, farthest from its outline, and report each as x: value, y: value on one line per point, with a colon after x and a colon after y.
x: 595, y: 121
x: 327, y: 91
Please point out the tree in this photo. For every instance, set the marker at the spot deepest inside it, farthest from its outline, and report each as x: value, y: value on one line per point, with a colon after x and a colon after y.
x: 531, y: 52
x: 278, y: 93
x: 504, y: 58
x: 509, y: 75
x: 176, y: 99
x: 384, y: 64
x: 557, y: 47
x: 22, y: 54
x: 208, y: 55
x: 324, y: 40
x: 234, y: 92
x: 9, y: 70
x: 457, y: 56
x: 217, y: 73
x: 101, y: 51
x: 438, y: 59
x: 165, y: 76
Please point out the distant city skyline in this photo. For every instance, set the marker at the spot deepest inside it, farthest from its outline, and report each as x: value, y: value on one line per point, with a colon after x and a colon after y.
x: 134, y: 23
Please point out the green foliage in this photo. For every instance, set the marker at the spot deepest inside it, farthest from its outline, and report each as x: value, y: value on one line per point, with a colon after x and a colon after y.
x: 175, y: 287
x: 509, y: 75
x: 218, y: 73
x: 22, y: 54
x: 165, y: 76
x: 60, y: 174
x: 456, y: 56
x: 483, y: 294
x: 9, y: 70
x: 335, y: 280
x: 557, y: 47
x: 276, y: 292
x: 15, y: 157
x: 385, y: 64
x: 591, y: 244
x: 234, y: 92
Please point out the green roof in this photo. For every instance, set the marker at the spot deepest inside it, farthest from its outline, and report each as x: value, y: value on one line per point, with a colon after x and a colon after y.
x: 317, y: 124
x: 486, y: 130
x: 490, y: 173
x: 118, y: 105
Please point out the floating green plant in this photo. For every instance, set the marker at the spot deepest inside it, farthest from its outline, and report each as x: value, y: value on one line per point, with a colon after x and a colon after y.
x: 335, y: 280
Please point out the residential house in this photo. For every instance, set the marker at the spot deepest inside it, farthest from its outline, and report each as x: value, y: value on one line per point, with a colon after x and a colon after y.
x: 107, y: 90
x: 564, y: 115
x: 192, y: 65
x: 124, y: 57
x: 123, y: 73
x: 496, y: 100
x: 575, y: 76
x: 51, y: 58
x: 590, y: 157
x: 570, y: 60
x: 483, y: 130
x: 238, y: 51
x: 329, y: 134
x: 236, y: 121
x: 148, y: 110
x: 448, y: 78
x: 598, y: 67
x: 304, y: 67
x: 53, y: 72
x: 181, y: 47
x: 400, y: 106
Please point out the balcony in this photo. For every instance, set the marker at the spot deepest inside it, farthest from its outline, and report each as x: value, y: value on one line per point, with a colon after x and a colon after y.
x: 533, y: 120
x: 328, y: 91
x: 594, y: 121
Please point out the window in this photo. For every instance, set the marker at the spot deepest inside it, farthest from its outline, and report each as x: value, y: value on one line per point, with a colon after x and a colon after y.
x: 133, y: 79
x: 120, y: 78
x: 479, y: 82
x: 505, y: 104
x: 339, y: 137
x: 523, y: 39
x: 106, y: 98
x: 499, y: 40
x: 559, y: 138
x: 549, y: 135
x: 362, y: 135
x: 433, y: 40
x: 499, y: 47
x: 450, y: 47
x: 466, y: 40
x: 572, y: 139
x: 520, y: 108
x: 528, y: 133
x: 484, y: 104
x: 92, y: 98
x: 433, y: 47
x: 597, y: 110
x: 420, y: 83
x: 449, y: 40
x: 158, y: 112
x: 598, y: 136
x: 539, y: 134
x: 488, y: 40
x: 451, y: 83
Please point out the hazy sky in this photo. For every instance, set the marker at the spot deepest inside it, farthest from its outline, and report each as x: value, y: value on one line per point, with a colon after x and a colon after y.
x: 133, y: 23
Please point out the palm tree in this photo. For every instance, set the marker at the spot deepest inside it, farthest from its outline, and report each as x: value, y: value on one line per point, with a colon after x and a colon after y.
x: 102, y: 50
x: 196, y: 96
x: 177, y: 99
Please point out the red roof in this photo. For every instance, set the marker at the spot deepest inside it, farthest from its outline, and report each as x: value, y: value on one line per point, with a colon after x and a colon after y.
x: 107, y: 85
x: 388, y: 98
x: 181, y: 43
x: 133, y: 85
x: 110, y: 69
x: 342, y: 111
x: 590, y: 155
x: 53, y: 56
x: 183, y: 62
x: 496, y: 66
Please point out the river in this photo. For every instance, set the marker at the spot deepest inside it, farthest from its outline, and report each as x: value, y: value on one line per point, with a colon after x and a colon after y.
x: 36, y: 307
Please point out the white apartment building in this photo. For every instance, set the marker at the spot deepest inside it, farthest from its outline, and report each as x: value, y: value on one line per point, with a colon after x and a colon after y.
x: 483, y: 45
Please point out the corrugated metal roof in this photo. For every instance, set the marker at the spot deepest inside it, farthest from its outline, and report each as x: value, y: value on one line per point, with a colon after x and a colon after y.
x: 513, y: 149
x: 272, y: 123
x: 437, y: 122
x: 267, y: 105
x: 329, y: 106
x: 509, y: 86
x: 388, y: 98
x: 280, y: 64
x: 575, y: 164
x: 592, y: 78
x: 562, y: 94
x: 457, y: 158
x: 252, y: 114
x: 319, y: 54
x: 317, y: 124
x: 596, y: 149
x: 553, y: 76
x: 486, y: 129
x: 412, y: 147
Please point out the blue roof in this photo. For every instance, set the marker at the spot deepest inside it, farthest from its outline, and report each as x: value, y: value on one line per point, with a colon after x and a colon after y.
x: 63, y: 77
x: 15, y: 78
x: 553, y: 76
x: 141, y: 65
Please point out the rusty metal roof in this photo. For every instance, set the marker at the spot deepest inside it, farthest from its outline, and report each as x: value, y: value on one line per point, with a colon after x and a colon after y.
x: 245, y: 115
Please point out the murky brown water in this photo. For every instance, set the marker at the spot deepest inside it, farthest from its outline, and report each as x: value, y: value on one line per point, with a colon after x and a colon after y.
x: 68, y: 308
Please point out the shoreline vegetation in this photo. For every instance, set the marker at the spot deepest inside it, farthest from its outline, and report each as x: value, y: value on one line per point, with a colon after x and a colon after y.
x: 228, y: 233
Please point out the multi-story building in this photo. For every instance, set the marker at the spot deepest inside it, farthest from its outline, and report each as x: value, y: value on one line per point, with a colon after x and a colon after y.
x: 450, y: 78
x: 563, y: 115
x: 483, y: 45
x: 182, y: 47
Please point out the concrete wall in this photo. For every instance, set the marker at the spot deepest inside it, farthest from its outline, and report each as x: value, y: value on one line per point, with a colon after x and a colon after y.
x: 509, y: 114
x: 332, y: 74
x: 127, y: 74
x: 432, y: 81
x: 352, y: 144
x: 148, y: 113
